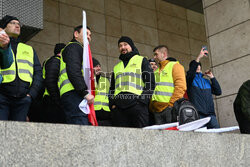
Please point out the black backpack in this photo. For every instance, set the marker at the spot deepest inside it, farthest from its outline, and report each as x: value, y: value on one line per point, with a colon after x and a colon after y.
x: 184, y: 111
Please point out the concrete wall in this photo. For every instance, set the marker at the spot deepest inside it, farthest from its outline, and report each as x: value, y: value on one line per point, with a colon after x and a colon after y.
x: 33, y: 144
x: 228, y: 29
x: 147, y: 22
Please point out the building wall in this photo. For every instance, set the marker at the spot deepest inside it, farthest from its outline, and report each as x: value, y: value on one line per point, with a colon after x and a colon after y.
x: 148, y: 22
x: 228, y: 29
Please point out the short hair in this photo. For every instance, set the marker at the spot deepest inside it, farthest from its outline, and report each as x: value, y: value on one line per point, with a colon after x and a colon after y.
x: 161, y: 47
x: 78, y: 29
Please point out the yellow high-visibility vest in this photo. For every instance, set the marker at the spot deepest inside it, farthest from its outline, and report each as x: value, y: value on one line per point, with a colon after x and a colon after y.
x: 164, y: 84
x: 25, y: 62
x: 64, y: 83
x: 101, y: 94
x: 129, y: 79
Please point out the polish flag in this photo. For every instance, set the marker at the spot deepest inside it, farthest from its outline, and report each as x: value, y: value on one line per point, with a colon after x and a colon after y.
x: 88, y: 70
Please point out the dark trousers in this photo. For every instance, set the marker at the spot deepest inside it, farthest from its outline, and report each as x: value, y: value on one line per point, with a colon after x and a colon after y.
x: 163, y: 117
x: 15, y: 109
x: 103, y: 117
x: 136, y: 116
x: 52, y: 112
x: 70, y: 104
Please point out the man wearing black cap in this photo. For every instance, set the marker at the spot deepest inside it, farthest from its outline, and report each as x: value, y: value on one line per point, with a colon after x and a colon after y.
x: 132, y: 85
x: 101, y: 104
x: 200, y: 90
x: 23, y: 79
x: 51, y: 99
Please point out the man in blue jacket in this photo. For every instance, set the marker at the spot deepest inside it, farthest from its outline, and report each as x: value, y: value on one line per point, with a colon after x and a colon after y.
x: 200, y: 90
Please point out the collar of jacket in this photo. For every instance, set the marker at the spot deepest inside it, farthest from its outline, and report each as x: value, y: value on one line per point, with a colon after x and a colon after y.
x: 14, y: 42
x: 163, y: 64
x: 17, y: 40
x: 199, y: 74
x: 127, y: 56
x: 74, y: 40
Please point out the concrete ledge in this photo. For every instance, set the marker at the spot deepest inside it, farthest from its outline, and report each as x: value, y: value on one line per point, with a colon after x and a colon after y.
x: 33, y: 144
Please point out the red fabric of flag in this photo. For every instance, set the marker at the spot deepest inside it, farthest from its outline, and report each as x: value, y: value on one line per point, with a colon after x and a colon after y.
x: 91, y: 115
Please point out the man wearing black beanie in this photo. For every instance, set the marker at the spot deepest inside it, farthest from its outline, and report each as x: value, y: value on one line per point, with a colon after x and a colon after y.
x: 101, y: 103
x: 46, y: 107
x: 22, y: 81
x: 132, y: 85
x: 51, y: 99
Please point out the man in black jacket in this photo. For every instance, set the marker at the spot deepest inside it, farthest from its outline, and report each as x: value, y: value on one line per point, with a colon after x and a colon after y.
x: 52, y: 112
x: 200, y: 90
x: 73, y: 88
x: 132, y: 85
x: 242, y: 107
x: 23, y: 79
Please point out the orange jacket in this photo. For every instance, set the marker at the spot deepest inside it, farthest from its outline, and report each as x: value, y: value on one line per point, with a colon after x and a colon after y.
x: 180, y: 87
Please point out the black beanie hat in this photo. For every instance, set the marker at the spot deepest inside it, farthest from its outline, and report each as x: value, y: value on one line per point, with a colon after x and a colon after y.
x: 95, y: 62
x: 6, y: 19
x: 128, y: 40
x: 192, y: 63
x: 58, y: 48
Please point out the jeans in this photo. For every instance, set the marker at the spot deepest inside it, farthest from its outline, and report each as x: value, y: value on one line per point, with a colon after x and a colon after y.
x: 70, y: 104
x: 213, y: 123
x: 15, y: 109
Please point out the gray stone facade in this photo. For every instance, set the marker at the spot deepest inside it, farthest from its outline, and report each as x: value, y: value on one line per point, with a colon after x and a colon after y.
x: 228, y: 29
x: 148, y: 22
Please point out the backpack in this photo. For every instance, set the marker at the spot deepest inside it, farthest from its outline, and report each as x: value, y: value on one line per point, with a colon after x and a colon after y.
x: 184, y: 111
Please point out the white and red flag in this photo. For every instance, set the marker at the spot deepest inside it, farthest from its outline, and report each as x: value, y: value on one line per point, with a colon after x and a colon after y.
x: 88, y: 70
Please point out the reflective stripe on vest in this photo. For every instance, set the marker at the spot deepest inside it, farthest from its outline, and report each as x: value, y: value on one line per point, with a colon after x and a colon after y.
x: 129, y: 79
x: 100, y: 103
x: 64, y: 82
x: 164, y: 84
x: 101, y: 94
x: 25, y: 61
x: 46, y: 93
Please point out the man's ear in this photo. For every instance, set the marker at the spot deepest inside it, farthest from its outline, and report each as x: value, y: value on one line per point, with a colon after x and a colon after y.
x: 76, y: 34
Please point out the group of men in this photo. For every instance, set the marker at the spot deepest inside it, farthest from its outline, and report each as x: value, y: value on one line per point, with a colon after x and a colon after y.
x: 138, y: 93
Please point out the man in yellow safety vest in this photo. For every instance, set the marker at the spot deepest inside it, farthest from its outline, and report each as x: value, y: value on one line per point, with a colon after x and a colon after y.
x: 101, y: 103
x: 23, y: 79
x: 72, y: 86
x: 170, y: 86
x: 132, y: 85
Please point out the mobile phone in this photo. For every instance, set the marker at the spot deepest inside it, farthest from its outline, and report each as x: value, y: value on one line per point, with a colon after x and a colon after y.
x: 208, y: 71
x: 205, y: 48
